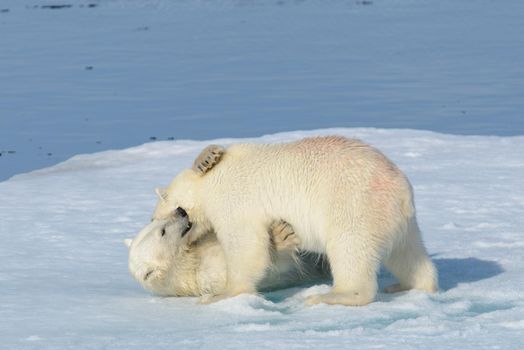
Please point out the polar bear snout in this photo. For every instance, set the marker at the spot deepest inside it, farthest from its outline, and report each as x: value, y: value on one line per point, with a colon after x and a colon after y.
x: 178, y: 222
x: 180, y: 212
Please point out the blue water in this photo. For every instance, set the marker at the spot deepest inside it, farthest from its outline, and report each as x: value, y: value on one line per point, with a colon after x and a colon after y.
x: 121, y: 73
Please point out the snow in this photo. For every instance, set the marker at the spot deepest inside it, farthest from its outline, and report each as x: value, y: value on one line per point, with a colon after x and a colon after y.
x: 64, y: 282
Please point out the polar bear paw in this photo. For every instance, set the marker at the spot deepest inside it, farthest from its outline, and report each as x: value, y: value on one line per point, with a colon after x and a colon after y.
x: 208, y: 158
x: 284, y: 237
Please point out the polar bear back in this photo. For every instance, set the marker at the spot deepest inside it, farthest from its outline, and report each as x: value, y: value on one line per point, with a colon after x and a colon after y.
x: 312, y: 184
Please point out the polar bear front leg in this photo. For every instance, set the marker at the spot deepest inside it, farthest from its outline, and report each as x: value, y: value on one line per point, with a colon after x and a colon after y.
x: 246, y: 248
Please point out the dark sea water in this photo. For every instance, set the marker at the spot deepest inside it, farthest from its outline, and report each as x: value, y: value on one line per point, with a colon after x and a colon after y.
x: 82, y: 79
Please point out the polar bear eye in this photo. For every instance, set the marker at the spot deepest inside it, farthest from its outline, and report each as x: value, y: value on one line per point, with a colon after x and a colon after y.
x: 163, y: 232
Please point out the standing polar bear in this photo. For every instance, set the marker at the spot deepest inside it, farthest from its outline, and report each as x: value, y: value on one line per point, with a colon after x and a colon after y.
x: 342, y: 197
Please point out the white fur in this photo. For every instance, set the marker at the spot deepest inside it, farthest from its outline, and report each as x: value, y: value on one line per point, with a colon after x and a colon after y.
x: 170, y: 265
x: 344, y: 199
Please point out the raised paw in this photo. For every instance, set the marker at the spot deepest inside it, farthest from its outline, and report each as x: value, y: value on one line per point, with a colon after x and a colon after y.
x: 208, y: 158
x: 283, y: 236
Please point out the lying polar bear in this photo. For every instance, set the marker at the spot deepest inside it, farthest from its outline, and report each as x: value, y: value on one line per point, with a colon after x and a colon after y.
x: 164, y: 260
x: 343, y: 198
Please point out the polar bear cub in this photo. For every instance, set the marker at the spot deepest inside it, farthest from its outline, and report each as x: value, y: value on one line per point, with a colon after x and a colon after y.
x: 164, y: 260
x: 343, y: 198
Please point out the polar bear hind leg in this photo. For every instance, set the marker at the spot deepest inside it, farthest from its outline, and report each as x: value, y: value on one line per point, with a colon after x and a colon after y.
x: 410, y: 264
x: 354, y: 264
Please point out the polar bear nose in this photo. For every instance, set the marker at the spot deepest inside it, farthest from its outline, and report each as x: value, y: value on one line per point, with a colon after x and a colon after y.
x: 180, y: 212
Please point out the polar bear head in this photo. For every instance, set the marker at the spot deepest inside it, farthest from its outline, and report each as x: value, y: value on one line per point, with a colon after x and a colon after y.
x: 184, y: 193
x: 180, y: 193
x: 160, y: 250
x: 162, y: 256
x: 183, y: 190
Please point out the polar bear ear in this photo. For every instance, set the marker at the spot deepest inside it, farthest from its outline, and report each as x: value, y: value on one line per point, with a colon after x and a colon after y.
x: 208, y: 158
x: 161, y: 193
x: 128, y: 242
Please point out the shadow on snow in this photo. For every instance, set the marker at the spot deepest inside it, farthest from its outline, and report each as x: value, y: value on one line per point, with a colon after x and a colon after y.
x: 452, y: 272
x: 455, y: 271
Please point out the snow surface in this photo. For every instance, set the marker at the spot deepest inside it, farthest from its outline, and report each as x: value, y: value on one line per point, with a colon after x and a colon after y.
x: 64, y: 282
